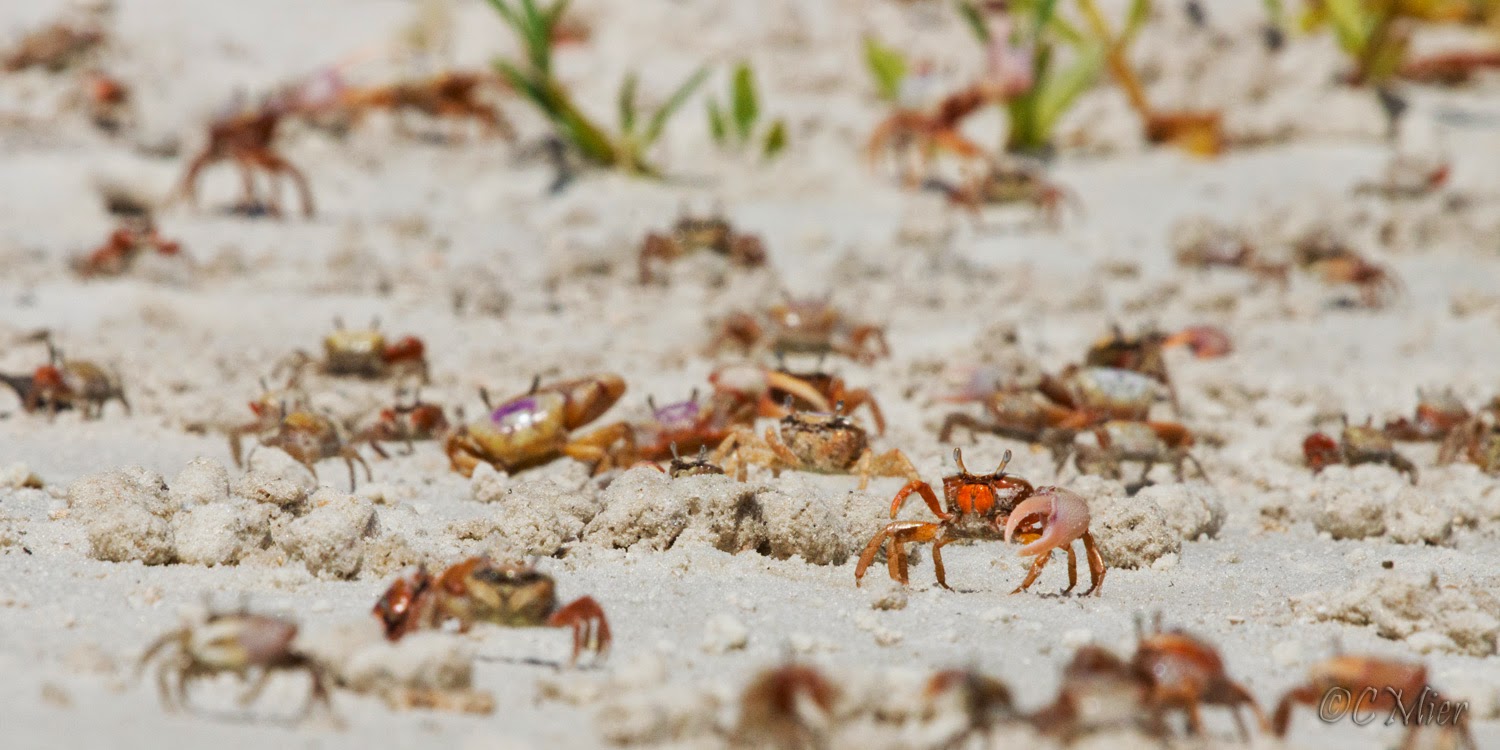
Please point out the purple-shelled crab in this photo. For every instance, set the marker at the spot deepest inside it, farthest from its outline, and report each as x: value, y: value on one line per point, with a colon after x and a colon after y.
x: 534, y: 428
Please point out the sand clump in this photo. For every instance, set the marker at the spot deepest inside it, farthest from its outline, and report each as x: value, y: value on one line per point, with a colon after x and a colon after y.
x: 1132, y: 532
x: 1369, y: 501
x: 1429, y: 616
x: 429, y: 669
x: 132, y: 514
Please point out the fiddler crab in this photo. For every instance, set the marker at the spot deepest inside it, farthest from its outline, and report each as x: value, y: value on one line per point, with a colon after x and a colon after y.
x: 1324, y: 254
x: 1148, y: 443
x: 246, y: 137
x: 1006, y: 182
x: 449, y: 94
x: 820, y: 442
x: 237, y: 643
x: 364, y: 353
x: 1378, y: 686
x: 1409, y: 176
x: 1186, y: 672
x: 1477, y: 440
x: 816, y: 390
x: 789, y: 706
x: 269, y: 409
x: 534, y: 428
x: 686, y: 426
x: 1438, y: 414
x: 309, y: 437
x: 923, y: 133
x: 124, y: 245
x: 801, y: 326
x: 1357, y: 444
x: 988, y: 507
x: 1100, y: 692
x: 1145, y: 353
x: 67, y: 384
x: 404, y: 423
x: 692, y: 233
x: 54, y: 47
x: 1203, y: 243
x: 479, y: 590
x: 695, y: 466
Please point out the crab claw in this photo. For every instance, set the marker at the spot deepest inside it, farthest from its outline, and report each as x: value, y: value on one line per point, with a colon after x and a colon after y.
x: 1067, y: 519
x: 1205, y: 342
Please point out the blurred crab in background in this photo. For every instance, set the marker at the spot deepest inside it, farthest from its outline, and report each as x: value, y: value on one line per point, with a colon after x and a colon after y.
x: 125, y: 244
x: 789, y: 706
x: 819, y: 442
x: 454, y: 95
x: 694, y: 233
x: 1203, y: 243
x: 106, y: 100
x: 1438, y: 414
x: 1006, y: 182
x: 915, y: 134
x: 1325, y: 255
x: 64, y: 384
x: 479, y: 590
x: 1148, y: 443
x: 363, y: 353
x: 309, y: 437
x: 404, y: 423
x: 246, y: 136
x: 237, y: 643
x: 763, y: 392
x: 55, y: 47
x: 1476, y: 440
x: 269, y: 408
x: 1357, y: 444
x: 534, y: 428
x: 800, y: 326
x: 1408, y: 176
x: 1187, y: 672
x: 1385, y: 687
x: 1101, y: 692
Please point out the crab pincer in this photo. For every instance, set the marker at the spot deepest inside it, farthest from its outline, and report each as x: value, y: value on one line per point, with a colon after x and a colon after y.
x: 1049, y: 519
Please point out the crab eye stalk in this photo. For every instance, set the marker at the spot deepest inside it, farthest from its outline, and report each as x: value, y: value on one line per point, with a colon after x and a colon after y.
x: 958, y: 458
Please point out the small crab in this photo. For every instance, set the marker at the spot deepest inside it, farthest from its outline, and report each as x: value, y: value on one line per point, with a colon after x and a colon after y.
x: 1476, y: 440
x: 309, y: 437
x: 235, y: 643
x: 106, y: 100
x: 693, y: 233
x: 687, y: 426
x: 790, y: 706
x: 67, y: 383
x: 450, y: 94
x: 756, y: 391
x: 1372, y: 686
x: 1187, y: 672
x: 1149, y: 443
x: 54, y: 47
x: 821, y: 442
x: 1009, y: 181
x: 404, y: 423
x: 1104, y: 392
x: 1325, y: 255
x: 983, y: 701
x: 1023, y: 415
x: 1408, y: 176
x: 533, y: 428
x: 1357, y: 444
x: 801, y: 326
x: 700, y: 465
x: 926, y: 132
x: 1100, y: 692
x: 479, y: 590
x: 119, y: 252
x: 1146, y: 353
x: 1202, y: 243
x: 269, y: 409
x: 364, y: 353
x: 1438, y: 414
x: 247, y: 138
x: 989, y: 507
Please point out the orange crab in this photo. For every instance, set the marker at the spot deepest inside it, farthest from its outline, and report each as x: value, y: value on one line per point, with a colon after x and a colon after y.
x: 1187, y: 672
x: 990, y: 506
x: 693, y: 233
x: 269, y: 409
x: 479, y: 590
x: 790, y: 706
x: 247, y: 138
x: 64, y: 384
x: 533, y: 428
x: 801, y: 326
x: 124, y: 245
x: 450, y: 94
x: 1438, y: 414
x: 1372, y: 686
x: 926, y: 132
x: 769, y: 391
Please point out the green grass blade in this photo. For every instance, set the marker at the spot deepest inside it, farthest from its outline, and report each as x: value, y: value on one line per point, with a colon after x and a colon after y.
x: 531, y: 89
x: 667, y: 109
x: 627, y: 104
x: 1135, y: 20
x: 775, y: 140
x: 1063, y: 89
x: 974, y: 19
x: 508, y: 14
x: 746, y: 108
x: 887, y: 66
x: 717, y: 127
x: 1351, y: 22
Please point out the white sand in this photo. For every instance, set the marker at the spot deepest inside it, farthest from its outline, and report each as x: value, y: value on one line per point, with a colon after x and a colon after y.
x: 403, y: 227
